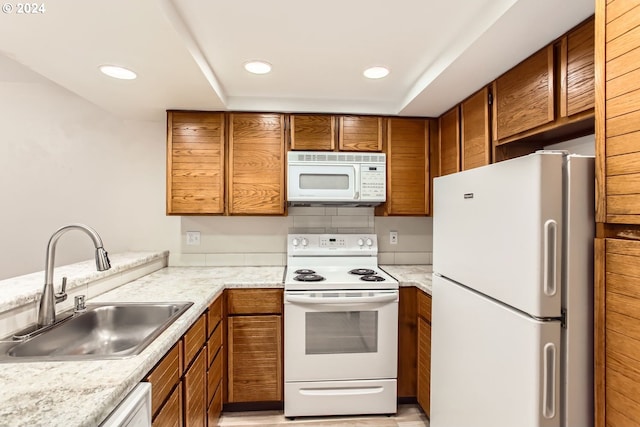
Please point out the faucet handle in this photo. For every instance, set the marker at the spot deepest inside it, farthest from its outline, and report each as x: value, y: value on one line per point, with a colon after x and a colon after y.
x: 79, y: 304
x: 62, y: 295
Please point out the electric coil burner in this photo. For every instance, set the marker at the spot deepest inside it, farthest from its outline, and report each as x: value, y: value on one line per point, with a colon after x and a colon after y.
x: 372, y: 278
x: 340, y: 327
x: 309, y: 277
x: 362, y: 271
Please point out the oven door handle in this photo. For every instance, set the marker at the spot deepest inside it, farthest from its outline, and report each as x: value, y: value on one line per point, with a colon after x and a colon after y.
x: 341, y: 300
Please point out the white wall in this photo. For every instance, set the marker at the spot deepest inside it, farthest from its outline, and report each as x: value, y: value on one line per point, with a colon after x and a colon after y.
x: 585, y: 145
x: 64, y: 160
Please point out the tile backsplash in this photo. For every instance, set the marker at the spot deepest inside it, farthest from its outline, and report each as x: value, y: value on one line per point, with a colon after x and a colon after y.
x: 261, y: 240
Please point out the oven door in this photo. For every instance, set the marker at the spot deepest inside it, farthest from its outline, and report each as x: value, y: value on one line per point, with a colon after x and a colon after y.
x: 340, y: 335
x: 322, y: 183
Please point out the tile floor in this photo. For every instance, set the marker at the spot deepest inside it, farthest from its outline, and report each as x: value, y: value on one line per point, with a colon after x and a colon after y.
x: 407, y: 416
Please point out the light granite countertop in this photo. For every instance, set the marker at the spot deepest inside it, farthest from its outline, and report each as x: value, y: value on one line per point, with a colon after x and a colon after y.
x: 411, y: 275
x: 84, y: 393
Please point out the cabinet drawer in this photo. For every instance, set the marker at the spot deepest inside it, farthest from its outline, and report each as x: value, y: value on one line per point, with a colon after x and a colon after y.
x: 164, y: 377
x: 215, y: 408
x: 194, y: 393
x: 194, y: 340
x: 214, y: 377
x: 424, y: 306
x: 214, y: 315
x: 214, y: 344
x: 170, y: 415
x: 254, y: 301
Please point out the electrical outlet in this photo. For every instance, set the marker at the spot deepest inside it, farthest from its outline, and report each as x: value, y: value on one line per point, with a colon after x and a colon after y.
x: 193, y: 238
x: 393, y: 237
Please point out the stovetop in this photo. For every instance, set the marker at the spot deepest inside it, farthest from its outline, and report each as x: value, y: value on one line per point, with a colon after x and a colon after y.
x: 334, y: 261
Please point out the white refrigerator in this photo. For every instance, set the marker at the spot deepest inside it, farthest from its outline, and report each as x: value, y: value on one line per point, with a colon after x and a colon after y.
x: 513, y: 294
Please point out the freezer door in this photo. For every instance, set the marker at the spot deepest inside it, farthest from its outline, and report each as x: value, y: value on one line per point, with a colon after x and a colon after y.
x: 491, y: 366
x: 498, y: 229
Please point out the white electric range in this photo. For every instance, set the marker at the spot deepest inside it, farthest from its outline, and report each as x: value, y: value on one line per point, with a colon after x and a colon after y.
x: 341, y: 327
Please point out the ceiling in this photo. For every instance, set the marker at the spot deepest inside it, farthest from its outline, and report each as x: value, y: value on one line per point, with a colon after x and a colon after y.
x: 189, y: 54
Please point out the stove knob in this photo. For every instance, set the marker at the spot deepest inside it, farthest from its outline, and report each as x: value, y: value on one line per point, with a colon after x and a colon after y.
x: 369, y: 242
x: 295, y: 241
x: 360, y: 242
x: 305, y: 242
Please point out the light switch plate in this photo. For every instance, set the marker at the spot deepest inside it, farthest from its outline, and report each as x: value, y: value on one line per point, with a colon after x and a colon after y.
x: 193, y: 238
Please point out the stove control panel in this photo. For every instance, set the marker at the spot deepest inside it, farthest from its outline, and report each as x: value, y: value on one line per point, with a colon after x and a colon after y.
x: 332, y: 244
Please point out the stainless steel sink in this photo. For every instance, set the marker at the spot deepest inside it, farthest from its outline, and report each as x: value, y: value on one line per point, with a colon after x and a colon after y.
x: 103, y: 331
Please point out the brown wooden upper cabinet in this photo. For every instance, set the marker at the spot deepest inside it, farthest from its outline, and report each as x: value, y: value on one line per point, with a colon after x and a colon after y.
x: 475, y: 125
x: 407, y: 149
x: 578, y: 70
x: 360, y: 133
x: 619, y: 122
x: 256, y: 173
x: 449, y: 141
x: 195, y: 163
x: 523, y: 96
x: 313, y: 132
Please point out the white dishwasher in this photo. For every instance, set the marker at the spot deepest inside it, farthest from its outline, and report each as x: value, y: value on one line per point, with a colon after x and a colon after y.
x: 134, y: 410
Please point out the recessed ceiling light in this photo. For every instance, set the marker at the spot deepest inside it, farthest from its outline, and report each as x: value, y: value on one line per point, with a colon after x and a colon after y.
x: 118, y: 72
x: 257, y: 67
x: 376, y: 72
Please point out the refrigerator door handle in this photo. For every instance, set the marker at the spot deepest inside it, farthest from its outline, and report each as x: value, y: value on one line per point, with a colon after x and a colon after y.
x: 549, y: 385
x: 550, y: 257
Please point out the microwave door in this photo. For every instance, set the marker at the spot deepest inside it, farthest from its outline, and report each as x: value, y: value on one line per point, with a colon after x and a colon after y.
x: 323, y: 183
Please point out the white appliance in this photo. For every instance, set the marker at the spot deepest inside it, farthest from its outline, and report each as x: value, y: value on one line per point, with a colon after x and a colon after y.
x: 512, y: 294
x: 340, y: 327
x: 134, y: 410
x: 336, y: 178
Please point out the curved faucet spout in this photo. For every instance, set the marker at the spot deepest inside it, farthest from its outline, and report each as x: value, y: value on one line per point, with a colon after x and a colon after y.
x: 47, y: 312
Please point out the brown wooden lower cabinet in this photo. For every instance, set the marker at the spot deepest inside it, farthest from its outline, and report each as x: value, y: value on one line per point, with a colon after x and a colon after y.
x: 617, y: 353
x: 194, y: 386
x: 180, y: 381
x: 424, y: 351
x: 407, y: 343
x: 254, y: 346
x: 255, y: 358
x: 170, y: 414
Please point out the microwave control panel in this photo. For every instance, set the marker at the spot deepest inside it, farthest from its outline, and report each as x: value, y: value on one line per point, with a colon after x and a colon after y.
x: 372, y: 182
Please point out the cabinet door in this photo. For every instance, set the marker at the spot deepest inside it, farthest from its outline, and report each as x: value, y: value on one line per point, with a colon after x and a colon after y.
x: 523, y: 96
x: 618, y: 124
x: 424, y: 351
x: 474, y: 128
x: 622, y: 332
x: 312, y: 132
x: 407, y: 167
x: 578, y: 93
x: 449, y: 141
x: 254, y: 358
x: 256, y: 164
x: 195, y: 163
x: 194, y: 384
x: 360, y: 133
x: 407, y: 343
x: 424, y: 365
x: 170, y: 414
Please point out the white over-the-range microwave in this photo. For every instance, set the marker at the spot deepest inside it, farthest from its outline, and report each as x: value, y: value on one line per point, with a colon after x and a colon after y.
x: 336, y: 178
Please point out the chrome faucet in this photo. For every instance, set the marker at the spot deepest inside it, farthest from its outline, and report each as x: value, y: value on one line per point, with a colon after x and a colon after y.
x: 49, y: 299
